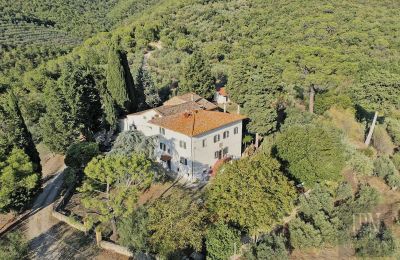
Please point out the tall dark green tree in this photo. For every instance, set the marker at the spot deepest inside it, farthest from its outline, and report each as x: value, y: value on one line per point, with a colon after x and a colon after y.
x: 117, y: 77
x: 72, y: 108
x: 197, y: 77
x: 13, y: 130
x: 145, y: 84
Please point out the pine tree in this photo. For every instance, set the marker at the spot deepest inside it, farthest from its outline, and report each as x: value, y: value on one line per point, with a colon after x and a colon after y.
x: 116, y: 80
x: 197, y: 76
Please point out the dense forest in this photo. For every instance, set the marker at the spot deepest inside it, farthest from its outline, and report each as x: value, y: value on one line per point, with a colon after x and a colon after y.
x: 310, y: 77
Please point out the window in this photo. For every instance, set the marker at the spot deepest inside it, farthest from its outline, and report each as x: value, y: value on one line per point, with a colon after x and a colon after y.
x: 218, y: 154
x: 204, y: 143
x: 163, y: 147
x: 225, y: 151
x: 162, y: 131
x: 236, y: 130
x: 225, y: 134
x: 216, y: 138
x: 182, y: 144
x: 183, y: 161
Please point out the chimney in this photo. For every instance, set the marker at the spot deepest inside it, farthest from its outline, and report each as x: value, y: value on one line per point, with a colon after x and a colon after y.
x: 224, y: 107
x: 238, y: 109
x: 192, y: 97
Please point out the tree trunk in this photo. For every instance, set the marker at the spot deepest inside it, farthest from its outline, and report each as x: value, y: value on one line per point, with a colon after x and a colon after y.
x: 312, y: 96
x: 371, y: 129
x: 114, y: 236
x: 257, y: 140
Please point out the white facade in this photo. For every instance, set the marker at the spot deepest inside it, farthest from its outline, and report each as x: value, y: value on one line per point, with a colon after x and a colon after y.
x: 139, y: 121
x: 191, y: 157
x: 220, y: 99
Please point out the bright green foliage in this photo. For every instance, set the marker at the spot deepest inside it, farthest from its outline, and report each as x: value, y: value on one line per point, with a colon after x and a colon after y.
x: 372, y: 243
x: 18, y: 180
x: 366, y: 198
x: 222, y: 241
x: 382, y: 141
x: 383, y: 167
x: 116, y: 80
x: 393, y: 128
x: 314, y: 154
x: 304, y: 235
x: 113, y: 184
x: 396, y: 160
x: 393, y: 180
x: 259, y: 181
x: 197, y: 77
x: 176, y: 222
x: 13, y: 246
x: 361, y: 164
x: 133, y: 231
x: 79, y: 154
x: 13, y: 130
x: 296, y: 117
x: 146, y: 85
x: 379, y: 92
x: 331, y: 99
x: 132, y: 141
x: 344, y: 191
x: 270, y: 247
x: 320, y: 199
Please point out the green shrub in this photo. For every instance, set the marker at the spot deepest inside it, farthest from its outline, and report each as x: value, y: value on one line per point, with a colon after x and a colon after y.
x: 14, y: 246
x: 396, y: 160
x: 366, y: 198
x: 369, y: 151
x: 370, y: 242
x: 270, y: 247
x: 80, y: 154
x: 393, y: 128
x: 361, y: 164
x: 71, y: 176
x: 304, y: 235
x: 327, y: 100
x: 314, y: 153
x: 382, y: 141
x: 222, y: 242
x: 383, y: 167
x: 393, y: 180
x: 344, y: 191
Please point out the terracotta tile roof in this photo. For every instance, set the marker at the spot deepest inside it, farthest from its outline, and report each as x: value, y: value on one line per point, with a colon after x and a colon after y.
x: 196, y: 122
x: 190, y: 97
x: 171, y: 110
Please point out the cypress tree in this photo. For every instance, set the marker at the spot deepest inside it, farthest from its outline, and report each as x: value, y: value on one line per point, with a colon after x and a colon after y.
x: 13, y: 130
x: 116, y: 80
x: 147, y: 89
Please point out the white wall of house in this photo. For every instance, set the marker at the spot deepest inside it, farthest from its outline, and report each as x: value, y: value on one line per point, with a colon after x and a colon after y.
x: 140, y: 122
x: 179, y: 147
x: 205, y: 156
x: 220, y: 99
x: 185, y: 149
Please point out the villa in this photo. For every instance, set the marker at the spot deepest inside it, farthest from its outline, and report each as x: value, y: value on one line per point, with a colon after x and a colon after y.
x: 192, y: 134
